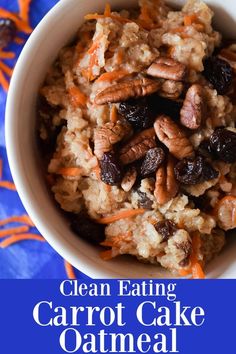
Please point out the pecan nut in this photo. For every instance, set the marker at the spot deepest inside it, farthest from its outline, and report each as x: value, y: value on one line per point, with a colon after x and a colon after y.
x: 128, y: 89
x: 193, y: 110
x: 167, y: 68
x: 170, y: 134
x: 129, y: 179
x: 171, y: 89
x: 105, y: 137
x: 138, y: 146
x: 166, y: 186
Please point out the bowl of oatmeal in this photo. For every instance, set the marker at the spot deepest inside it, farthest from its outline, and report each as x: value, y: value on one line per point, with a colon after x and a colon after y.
x: 122, y: 143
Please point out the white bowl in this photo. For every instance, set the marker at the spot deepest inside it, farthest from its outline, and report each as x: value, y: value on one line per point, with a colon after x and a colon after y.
x: 54, y: 31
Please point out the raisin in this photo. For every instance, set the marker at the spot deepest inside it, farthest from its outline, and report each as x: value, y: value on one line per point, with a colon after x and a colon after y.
x: 7, y: 31
x: 194, y: 170
x: 219, y: 73
x: 111, y: 172
x: 223, y: 143
x: 166, y: 229
x: 160, y: 105
x: 205, y: 150
x: 87, y: 229
x: 152, y: 161
x: 46, y: 112
x: 144, y: 202
x: 137, y: 113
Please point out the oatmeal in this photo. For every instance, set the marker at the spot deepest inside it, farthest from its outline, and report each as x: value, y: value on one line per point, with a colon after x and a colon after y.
x: 137, y: 121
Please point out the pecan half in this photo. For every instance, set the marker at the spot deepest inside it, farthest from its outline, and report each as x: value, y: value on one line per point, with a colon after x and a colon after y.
x: 129, y: 179
x: 167, y: 68
x: 171, y: 89
x: 166, y: 186
x: 105, y: 137
x: 128, y: 89
x: 170, y: 134
x: 193, y: 110
x: 138, y: 146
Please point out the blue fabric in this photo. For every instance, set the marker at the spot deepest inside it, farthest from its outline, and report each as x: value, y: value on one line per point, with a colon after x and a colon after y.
x: 26, y: 259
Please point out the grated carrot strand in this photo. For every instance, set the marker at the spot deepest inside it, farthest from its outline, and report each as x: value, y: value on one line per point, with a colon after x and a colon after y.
x: 19, y: 40
x: 6, y: 69
x: 22, y: 237
x: 6, y: 184
x: 70, y: 171
x: 78, y: 98
x: 107, y: 11
x: 25, y: 219
x: 21, y: 25
x: 3, y: 82
x: 13, y: 230
x: 7, y: 55
x: 121, y: 215
x: 69, y: 270
x: 24, y: 6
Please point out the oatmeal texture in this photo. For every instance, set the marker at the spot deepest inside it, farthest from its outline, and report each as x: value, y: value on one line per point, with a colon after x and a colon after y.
x: 109, y: 98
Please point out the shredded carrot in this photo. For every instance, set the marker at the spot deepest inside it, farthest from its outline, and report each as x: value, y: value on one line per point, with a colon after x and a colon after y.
x: 13, y: 230
x: 69, y: 270
x: 184, y: 272
x: 3, y: 81
x: 95, y: 44
x: 19, y: 40
x: 197, y: 271
x: 6, y: 69
x: 196, y: 268
x: 21, y: 25
x: 106, y: 255
x: 121, y: 215
x: 190, y: 19
x: 113, y: 17
x: 24, y: 6
x: 7, y: 55
x: 92, y: 63
x: 77, y: 97
x: 107, y: 11
x: 7, y: 184
x: 112, y: 75
x: 113, y: 114
x: 0, y: 168
x: 70, y: 171
x: 25, y: 219
x: 22, y: 237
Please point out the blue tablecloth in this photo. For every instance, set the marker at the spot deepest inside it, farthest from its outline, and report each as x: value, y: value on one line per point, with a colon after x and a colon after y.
x: 26, y: 259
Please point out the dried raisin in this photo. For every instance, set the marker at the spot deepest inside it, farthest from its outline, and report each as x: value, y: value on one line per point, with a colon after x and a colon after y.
x: 7, y: 31
x: 152, y: 161
x: 219, y: 73
x: 166, y: 228
x: 194, y: 170
x: 87, y: 229
x: 223, y: 143
x: 111, y: 172
x: 137, y: 113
